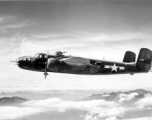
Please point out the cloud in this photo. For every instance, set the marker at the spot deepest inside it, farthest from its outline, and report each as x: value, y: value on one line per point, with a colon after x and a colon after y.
x: 56, y: 103
x: 93, y: 109
x: 14, y: 25
x: 61, y: 110
x: 96, y: 109
x: 107, y: 114
x: 145, y: 102
x: 106, y: 95
x: 5, y: 19
x: 101, y: 108
x: 45, y: 36
x: 114, y: 36
x: 9, y: 96
x: 105, y: 42
x: 76, y: 43
x: 12, y: 44
x: 10, y: 112
x: 43, y: 103
x: 7, y: 22
x: 94, y: 37
x: 111, y: 118
x: 1, y: 20
x: 127, y: 97
x: 142, y: 118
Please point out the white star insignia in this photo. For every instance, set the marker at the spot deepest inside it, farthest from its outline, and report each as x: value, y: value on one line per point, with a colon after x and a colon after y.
x: 114, y: 67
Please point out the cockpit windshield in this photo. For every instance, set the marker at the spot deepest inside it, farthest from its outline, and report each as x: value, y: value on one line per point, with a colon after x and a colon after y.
x: 36, y: 55
x: 40, y: 56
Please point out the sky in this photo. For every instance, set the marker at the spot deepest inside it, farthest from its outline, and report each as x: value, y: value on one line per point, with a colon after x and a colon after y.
x: 91, y: 29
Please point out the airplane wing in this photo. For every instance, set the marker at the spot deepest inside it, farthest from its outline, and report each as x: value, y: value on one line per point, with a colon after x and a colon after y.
x: 76, y: 60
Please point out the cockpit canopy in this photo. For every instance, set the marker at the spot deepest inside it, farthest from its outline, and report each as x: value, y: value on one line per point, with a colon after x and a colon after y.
x: 24, y: 58
x: 40, y: 56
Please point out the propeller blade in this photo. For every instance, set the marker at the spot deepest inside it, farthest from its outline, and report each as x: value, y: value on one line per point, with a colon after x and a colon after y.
x: 45, y: 73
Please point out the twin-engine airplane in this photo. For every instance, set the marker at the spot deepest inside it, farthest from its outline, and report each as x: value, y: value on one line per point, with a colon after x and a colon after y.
x: 77, y: 65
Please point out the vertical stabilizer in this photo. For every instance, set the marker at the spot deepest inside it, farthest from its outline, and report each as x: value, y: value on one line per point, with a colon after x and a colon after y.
x: 129, y: 57
x: 144, y: 60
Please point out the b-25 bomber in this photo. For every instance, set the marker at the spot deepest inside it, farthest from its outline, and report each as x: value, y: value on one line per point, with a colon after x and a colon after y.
x: 61, y: 63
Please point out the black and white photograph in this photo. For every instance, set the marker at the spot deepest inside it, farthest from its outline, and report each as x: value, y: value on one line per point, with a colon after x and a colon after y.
x: 76, y: 60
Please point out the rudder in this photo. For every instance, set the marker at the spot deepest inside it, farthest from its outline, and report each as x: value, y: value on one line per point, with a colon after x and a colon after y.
x: 144, y: 60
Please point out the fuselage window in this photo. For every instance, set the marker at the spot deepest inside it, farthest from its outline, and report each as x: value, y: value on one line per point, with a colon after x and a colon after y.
x: 24, y: 59
x: 20, y: 58
x: 28, y: 59
x: 36, y: 56
x: 40, y: 56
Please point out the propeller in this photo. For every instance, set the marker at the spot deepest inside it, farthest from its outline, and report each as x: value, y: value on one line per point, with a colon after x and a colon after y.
x: 45, y: 73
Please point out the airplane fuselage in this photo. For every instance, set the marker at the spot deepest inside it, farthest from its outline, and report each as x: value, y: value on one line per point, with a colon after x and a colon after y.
x: 79, y: 65
x: 60, y: 63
